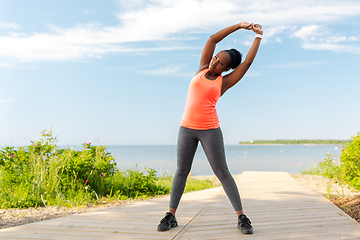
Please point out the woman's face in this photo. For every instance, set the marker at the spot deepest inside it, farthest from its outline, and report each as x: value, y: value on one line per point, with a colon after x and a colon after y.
x: 220, y: 63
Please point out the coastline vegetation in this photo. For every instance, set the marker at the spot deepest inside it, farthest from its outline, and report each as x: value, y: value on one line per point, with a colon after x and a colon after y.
x: 301, y: 141
x: 344, y: 170
x: 42, y: 174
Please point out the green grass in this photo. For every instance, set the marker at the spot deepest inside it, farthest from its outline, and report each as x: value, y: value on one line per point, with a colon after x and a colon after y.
x: 330, y: 168
x: 315, y: 170
x: 191, y: 184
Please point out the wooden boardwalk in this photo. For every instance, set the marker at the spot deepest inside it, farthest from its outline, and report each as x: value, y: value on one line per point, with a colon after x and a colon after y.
x: 277, y: 205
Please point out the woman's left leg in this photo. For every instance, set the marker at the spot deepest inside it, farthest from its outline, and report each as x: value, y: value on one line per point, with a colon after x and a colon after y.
x: 213, y: 145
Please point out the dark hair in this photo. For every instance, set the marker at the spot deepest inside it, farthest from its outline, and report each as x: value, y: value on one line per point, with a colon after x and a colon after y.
x: 235, y: 56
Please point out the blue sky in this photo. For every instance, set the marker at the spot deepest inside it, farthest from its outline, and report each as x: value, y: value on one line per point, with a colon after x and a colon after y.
x: 117, y: 72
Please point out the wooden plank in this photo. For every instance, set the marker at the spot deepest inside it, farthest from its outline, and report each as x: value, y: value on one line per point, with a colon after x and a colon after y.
x: 278, y: 209
x: 277, y: 205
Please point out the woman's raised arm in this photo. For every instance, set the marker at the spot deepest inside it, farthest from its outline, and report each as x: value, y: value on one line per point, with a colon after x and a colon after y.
x: 210, y: 45
x: 235, y: 76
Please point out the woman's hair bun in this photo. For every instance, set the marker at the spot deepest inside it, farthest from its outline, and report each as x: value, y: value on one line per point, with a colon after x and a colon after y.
x: 235, y: 56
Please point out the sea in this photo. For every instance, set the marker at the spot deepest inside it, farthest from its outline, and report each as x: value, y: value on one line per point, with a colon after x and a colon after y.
x: 162, y: 158
x: 288, y: 158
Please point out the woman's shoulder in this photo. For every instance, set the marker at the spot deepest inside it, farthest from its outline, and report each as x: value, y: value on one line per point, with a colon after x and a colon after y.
x: 202, y: 69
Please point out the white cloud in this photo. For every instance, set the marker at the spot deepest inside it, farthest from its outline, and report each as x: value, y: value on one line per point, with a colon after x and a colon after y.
x: 163, y: 71
x: 9, y: 25
x: 307, y: 32
x: 336, y: 39
x: 271, y: 31
x: 317, y: 37
x: 248, y: 43
x: 354, y: 39
x: 253, y: 73
x: 164, y: 17
x: 271, y: 34
x: 332, y: 47
x: 159, y: 20
x: 168, y: 71
x: 78, y: 42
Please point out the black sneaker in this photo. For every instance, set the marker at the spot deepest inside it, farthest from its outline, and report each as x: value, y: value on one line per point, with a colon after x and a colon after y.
x: 244, y: 224
x: 169, y: 221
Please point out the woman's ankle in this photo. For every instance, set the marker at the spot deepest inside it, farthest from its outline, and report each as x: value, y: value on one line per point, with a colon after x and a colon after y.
x: 172, y: 211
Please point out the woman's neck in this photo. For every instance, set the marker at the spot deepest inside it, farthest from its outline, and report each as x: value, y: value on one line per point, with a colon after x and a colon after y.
x: 210, y: 76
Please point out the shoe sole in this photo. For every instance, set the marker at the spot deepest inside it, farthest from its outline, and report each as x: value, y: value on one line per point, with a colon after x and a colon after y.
x: 172, y: 225
x: 246, y: 231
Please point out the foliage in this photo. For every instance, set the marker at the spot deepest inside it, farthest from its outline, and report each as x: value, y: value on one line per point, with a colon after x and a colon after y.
x: 195, y: 185
x: 43, y: 174
x: 302, y: 141
x: 346, y: 170
x: 191, y: 183
x: 133, y: 183
x: 329, y: 168
x: 350, y: 159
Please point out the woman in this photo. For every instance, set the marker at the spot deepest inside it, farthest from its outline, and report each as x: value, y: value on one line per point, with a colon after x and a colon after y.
x: 200, y: 121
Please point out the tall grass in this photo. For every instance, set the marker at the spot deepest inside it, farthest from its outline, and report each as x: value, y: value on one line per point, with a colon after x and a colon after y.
x: 329, y: 168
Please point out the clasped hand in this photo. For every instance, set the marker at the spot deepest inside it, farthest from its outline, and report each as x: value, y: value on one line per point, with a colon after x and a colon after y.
x: 257, y: 28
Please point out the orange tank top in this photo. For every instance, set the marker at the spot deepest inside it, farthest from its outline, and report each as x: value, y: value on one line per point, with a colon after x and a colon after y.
x: 203, y: 94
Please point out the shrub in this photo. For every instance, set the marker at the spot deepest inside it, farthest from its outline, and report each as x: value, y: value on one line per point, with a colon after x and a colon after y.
x: 331, y: 167
x: 347, y: 169
x: 41, y: 173
x: 350, y: 162
x: 134, y: 183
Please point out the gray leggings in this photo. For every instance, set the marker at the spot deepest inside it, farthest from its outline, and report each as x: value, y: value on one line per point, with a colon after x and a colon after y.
x: 213, y: 145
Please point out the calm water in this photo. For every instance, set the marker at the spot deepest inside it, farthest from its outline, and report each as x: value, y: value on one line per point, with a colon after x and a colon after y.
x: 162, y: 158
x: 290, y: 158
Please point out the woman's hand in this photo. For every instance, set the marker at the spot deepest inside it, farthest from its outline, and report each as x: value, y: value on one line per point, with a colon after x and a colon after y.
x: 246, y: 25
x: 257, y: 29
x: 210, y: 45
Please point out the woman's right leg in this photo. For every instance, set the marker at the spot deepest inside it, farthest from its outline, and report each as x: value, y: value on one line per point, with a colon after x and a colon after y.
x: 186, y: 148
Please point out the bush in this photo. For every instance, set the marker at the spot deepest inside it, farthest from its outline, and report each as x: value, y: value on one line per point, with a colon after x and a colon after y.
x: 347, y: 169
x: 133, y: 183
x: 350, y: 162
x: 41, y: 173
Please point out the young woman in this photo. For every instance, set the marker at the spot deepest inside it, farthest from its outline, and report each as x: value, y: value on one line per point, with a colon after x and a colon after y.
x: 200, y: 121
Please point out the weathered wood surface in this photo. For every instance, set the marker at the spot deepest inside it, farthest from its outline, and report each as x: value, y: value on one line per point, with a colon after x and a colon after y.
x: 277, y: 205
